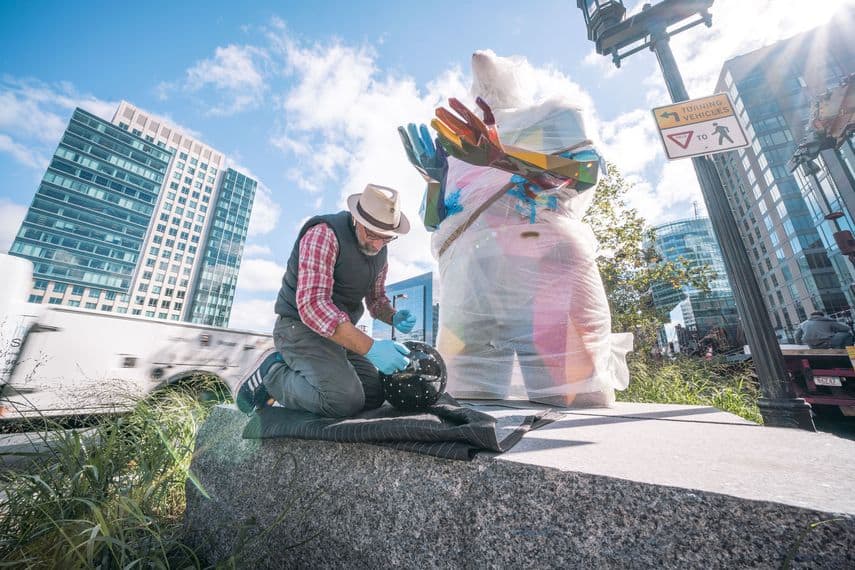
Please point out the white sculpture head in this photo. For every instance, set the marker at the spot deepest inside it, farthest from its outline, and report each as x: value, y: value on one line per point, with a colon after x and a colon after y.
x: 551, y: 124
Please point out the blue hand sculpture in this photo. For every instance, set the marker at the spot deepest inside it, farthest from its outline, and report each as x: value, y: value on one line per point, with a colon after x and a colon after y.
x: 431, y: 160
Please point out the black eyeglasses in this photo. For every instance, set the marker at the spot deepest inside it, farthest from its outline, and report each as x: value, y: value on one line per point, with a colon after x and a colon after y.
x: 377, y: 237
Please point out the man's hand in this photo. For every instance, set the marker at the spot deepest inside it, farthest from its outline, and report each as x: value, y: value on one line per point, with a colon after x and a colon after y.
x: 388, y: 356
x: 404, y: 321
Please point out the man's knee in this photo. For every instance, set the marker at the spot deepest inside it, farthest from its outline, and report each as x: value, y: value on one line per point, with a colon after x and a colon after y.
x: 343, y: 403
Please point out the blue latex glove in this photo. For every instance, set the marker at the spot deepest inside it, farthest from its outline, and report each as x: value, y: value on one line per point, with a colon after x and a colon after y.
x: 388, y: 356
x: 404, y: 321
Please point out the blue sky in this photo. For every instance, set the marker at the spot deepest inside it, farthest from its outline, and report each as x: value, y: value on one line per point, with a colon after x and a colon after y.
x: 305, y: 96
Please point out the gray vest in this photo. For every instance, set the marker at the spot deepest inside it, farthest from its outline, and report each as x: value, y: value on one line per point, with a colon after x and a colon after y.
x: 354, y: 275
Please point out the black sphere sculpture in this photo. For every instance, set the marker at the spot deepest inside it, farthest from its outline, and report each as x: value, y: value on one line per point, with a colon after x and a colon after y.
x: 419, y: 385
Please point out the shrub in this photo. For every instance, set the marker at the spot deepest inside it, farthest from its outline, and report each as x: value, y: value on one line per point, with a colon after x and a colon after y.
x: 729, y: 387
x: 110, y: 496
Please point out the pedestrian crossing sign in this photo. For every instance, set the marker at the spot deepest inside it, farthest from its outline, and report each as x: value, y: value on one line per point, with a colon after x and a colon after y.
x: 700, y: 126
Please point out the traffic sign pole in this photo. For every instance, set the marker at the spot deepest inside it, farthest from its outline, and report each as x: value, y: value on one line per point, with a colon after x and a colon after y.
x: 778, y: 403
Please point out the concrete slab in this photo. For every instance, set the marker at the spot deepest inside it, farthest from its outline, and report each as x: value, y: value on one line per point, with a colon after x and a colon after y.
x: 636, y: 486
x: 695, y: 447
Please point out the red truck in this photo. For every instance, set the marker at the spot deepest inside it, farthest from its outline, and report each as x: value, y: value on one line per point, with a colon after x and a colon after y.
x: 822, y: 376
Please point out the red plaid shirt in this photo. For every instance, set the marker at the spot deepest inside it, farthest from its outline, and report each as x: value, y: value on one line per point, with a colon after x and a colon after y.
x: 318, y: 252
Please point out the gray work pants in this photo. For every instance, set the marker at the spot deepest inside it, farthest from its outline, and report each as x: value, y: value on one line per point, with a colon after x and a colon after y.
x: 320, y: 376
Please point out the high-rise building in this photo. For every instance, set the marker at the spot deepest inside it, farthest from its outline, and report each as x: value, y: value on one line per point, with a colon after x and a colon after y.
x: 134, y: 216
x: 693, y: 242
x: 415, y: 295
x: 781, y: 214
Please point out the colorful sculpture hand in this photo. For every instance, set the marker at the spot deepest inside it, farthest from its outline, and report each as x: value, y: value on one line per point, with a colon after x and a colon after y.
x: 431, y: 161
x: 477, y: 142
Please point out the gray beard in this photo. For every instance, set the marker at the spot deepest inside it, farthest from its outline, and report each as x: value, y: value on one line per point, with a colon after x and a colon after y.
x: 368, y: 251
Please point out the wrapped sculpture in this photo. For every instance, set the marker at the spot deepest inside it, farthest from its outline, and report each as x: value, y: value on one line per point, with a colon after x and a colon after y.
x: 523, y: 311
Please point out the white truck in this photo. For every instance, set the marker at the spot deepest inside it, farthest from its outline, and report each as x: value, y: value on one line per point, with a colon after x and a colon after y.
x: 67, y: 361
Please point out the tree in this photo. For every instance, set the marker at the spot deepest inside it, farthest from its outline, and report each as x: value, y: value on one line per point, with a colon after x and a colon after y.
x: 628, y: 268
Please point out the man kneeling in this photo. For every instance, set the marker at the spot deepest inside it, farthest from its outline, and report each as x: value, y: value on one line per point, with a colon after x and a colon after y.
x: 322, y: 363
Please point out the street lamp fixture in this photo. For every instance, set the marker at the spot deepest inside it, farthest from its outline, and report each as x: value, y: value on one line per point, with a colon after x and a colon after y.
x: 620, y: 37
x: 611, y: 33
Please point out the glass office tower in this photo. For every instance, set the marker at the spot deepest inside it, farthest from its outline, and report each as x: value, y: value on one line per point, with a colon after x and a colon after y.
x: 416, y: 295
x: 133, y: 216
x: 215, y: 290
x: 86, y: 226
x: 693, y: 242
x: 781, y: 214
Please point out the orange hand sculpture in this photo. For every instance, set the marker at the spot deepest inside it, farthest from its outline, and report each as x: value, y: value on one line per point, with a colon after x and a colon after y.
x: 476, y: 141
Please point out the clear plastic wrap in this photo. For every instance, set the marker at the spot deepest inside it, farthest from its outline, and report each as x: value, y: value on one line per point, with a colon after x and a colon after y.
x: 523, y: 310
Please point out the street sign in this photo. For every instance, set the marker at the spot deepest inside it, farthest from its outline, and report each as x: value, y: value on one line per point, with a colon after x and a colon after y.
x: 700, y: 126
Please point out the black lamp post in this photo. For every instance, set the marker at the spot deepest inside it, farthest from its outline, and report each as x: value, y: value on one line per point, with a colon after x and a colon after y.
x: 620, y: 37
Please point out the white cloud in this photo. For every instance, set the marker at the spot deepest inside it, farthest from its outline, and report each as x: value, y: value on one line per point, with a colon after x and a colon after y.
x: 602, y: 64
x: 11, y: 216
x: 342, y: 118
x: 24, y: 155
x: 260, y: 275
x: 671, y: 197
x: 265, y: 212
x: 254, y: 315
x: 236, y: 73
x: 256, y: 250
x: 630, y: 141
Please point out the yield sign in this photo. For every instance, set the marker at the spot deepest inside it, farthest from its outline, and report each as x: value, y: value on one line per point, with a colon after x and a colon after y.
x: 682, y: 138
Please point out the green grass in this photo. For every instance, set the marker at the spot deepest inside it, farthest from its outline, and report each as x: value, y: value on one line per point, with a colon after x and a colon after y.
x: 729, y: 387
x: 109, y: 497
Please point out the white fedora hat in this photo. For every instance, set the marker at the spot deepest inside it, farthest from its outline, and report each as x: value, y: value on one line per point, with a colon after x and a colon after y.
x: 379, y: 209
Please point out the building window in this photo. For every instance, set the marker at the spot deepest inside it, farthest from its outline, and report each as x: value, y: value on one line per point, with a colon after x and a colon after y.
x: 136, y: 311
x: 35, y: 299
x: 40, y: 284
x: 94, y: 293
x: 91, y: 305
x: 59, y: 287
x: 77, y: 290
x: 74, y: 303
x: 107, y: 308
x: 109, y: 295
